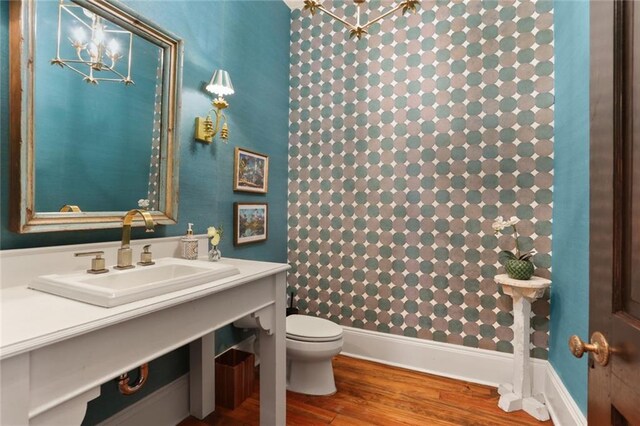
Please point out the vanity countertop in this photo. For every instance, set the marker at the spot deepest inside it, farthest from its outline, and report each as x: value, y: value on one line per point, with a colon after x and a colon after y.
x: 30, y: 319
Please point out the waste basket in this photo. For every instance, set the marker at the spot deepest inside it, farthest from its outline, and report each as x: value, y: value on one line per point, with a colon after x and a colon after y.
x: 234, y: 377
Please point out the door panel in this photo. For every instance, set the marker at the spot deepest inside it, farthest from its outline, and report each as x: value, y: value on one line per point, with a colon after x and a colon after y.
x: 625, y: 391
x: 631, y: 290
x: 614, y: 393
x: 601, y: 204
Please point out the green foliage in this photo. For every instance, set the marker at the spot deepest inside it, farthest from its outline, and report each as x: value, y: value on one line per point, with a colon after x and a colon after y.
x: 526, y: 256
x: 505, y: 256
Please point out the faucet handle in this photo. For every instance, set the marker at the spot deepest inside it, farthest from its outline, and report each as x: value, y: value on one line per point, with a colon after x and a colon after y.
x: 145, y: 256
x: 97, y: 263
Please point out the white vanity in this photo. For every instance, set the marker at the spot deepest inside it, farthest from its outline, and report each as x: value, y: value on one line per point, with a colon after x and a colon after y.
x: 56, y: 352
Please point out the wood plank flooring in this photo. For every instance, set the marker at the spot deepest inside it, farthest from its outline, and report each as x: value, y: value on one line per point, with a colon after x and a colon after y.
x: 375, y: 394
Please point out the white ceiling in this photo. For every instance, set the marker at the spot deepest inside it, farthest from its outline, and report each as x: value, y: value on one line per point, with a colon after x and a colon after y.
x: 294, y: 4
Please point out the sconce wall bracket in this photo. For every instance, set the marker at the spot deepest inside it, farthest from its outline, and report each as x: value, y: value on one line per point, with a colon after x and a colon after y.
x: 206, y: 129
x: 202, y: 135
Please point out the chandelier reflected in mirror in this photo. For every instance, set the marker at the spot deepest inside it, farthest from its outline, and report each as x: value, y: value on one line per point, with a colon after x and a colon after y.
x: 358, y: 29
x: 99, y: 46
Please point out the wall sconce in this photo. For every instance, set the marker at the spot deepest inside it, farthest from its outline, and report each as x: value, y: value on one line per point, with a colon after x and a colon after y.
x: 221, y: 86
x: 99, y: 50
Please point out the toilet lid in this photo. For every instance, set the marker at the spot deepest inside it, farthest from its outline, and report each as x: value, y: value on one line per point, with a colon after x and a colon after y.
x: 312, y: 329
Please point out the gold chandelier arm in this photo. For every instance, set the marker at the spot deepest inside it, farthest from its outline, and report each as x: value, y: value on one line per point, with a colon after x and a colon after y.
x: 79, y: 48
x: 119, y: 74
x: 384, y: 15
x: 336, y: 17
x: 358, y: 29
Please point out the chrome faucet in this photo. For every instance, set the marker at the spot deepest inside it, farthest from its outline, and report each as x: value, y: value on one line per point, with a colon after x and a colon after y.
x: 124, y: 252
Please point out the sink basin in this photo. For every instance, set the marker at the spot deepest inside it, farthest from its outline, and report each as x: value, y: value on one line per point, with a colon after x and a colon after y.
x: 118, y: 287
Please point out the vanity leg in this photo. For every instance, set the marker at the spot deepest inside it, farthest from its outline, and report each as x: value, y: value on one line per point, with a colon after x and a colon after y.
x: 202, y: 398
x: 272, y: 362
x: 70, y: 412
x: 14, y: 390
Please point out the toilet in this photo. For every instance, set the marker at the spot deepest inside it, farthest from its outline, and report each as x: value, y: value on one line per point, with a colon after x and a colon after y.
x: 311, y: 344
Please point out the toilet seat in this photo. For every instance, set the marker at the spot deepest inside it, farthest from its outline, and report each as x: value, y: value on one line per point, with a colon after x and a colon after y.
x: 312, y: 329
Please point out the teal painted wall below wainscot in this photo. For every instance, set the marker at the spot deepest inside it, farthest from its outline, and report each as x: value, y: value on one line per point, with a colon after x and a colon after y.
x: 570, y: 260
x: 250, y: 39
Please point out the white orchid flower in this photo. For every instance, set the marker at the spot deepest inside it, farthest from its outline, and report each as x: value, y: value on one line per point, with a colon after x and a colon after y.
x: 214, y: 235
x: 500, y: 224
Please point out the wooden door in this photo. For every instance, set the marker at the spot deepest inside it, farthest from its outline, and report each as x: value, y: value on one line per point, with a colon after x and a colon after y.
x: 614, y: 389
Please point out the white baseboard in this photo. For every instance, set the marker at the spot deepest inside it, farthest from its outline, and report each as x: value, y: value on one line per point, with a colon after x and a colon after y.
x: 563, y: 409
x: 168, y: 405
x: 442, y: 359
x: 462, y: 363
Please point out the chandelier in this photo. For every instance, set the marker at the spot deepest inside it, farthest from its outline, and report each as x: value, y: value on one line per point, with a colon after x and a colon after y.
x: 97, y: 45
x: 357, y: 29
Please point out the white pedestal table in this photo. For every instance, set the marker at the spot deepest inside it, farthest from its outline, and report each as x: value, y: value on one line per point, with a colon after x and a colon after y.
x: 517, y: 395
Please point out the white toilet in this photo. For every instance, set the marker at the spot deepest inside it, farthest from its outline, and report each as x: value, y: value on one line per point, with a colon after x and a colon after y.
x: 311, y: 344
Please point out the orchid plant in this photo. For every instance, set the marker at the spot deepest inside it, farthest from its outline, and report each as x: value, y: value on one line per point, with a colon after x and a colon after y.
x: 499, y: 226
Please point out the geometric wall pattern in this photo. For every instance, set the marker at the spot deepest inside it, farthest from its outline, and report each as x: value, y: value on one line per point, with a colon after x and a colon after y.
x: 404, y: 148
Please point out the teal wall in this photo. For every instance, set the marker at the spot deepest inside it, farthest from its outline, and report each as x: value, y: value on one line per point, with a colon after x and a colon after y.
x: 112, y: 119
x: 570, y: 260
x: 250, y: 39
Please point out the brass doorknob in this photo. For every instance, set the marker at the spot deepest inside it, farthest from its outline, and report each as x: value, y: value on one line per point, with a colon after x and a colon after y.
x: 598, y: 346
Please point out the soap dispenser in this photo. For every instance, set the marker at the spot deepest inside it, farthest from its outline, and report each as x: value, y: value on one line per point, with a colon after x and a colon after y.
x: 189, y: 245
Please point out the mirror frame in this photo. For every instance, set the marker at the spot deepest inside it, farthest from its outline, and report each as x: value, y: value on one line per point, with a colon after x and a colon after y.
x: 23, y: 217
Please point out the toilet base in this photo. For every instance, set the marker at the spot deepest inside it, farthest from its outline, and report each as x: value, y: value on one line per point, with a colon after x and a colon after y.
x: 311, y: 377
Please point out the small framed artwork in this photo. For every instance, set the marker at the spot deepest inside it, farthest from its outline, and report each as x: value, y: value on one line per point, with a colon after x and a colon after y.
x: 250, y: 171
x: 250, y: 223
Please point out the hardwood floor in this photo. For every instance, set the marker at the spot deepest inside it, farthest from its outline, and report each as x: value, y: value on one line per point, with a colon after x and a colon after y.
x: 375, y: 394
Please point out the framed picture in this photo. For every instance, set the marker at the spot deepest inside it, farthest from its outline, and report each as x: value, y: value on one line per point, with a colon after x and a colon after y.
x: 250, y: 223
x: 250, y: 171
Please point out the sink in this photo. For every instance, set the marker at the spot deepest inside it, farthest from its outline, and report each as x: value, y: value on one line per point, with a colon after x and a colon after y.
x: 118, y: 287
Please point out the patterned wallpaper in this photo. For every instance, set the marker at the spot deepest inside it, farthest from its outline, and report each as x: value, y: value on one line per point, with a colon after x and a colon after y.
x: 404, y: 147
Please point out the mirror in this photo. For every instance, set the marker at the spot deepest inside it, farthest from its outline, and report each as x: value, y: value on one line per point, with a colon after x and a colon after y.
x: 94, y: 107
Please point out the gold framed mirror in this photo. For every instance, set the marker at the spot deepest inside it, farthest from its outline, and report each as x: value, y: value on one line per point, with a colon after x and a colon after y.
x: 94, y: 109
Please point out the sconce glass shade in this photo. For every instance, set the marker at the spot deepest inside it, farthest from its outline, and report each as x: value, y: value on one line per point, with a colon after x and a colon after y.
x: 220, y: 84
